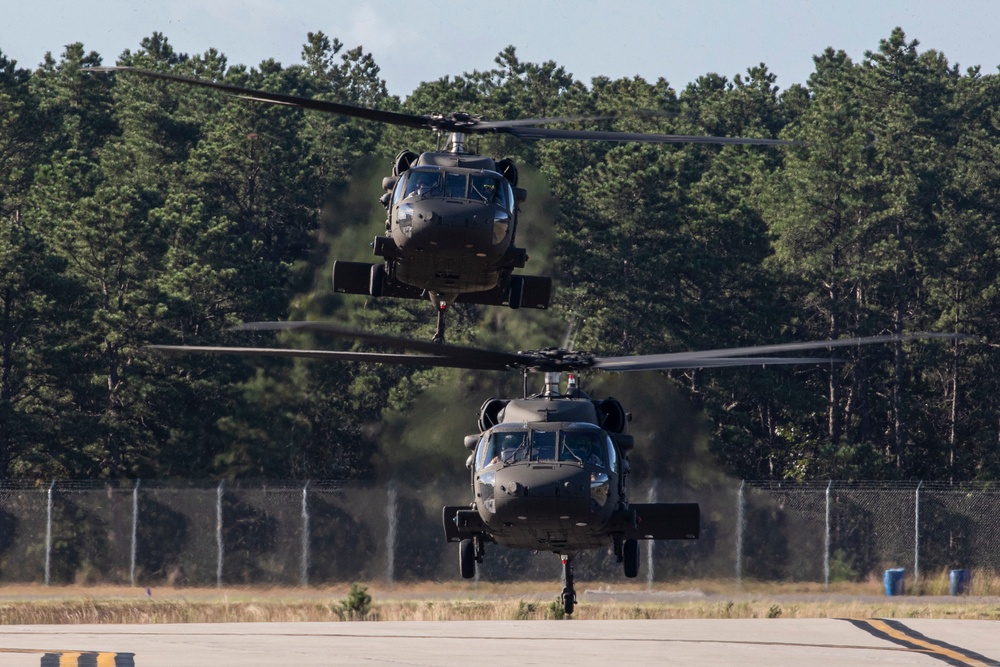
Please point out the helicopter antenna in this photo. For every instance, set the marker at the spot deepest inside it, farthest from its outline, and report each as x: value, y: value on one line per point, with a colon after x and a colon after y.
x: 524, y: 381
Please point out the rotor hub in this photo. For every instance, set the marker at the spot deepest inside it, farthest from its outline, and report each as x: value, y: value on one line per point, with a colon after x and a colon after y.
x: 556, y: 360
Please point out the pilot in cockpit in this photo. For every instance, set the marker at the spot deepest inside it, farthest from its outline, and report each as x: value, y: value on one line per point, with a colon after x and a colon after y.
x: 423, y: 183
x: 583, y: 448
x: 508, y: 446
x: 483, y: 188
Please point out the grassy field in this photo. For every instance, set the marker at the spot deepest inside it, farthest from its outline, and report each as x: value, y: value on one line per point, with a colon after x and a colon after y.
x: 21, y: 605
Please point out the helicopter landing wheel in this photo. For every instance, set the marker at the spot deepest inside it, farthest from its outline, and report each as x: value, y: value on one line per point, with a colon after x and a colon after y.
x: 467, y: 558
x: 516, y: 292
x: 630, y: 551
x: 377, y: 280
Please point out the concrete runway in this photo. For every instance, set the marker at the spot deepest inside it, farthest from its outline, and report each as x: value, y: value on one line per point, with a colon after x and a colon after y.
x: 771, y: 642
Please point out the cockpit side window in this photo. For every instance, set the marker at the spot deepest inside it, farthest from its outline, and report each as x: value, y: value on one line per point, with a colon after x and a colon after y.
x: 612, y: 454
x: 397, y: 192
x: 507, y: 196
x: 484, y: 452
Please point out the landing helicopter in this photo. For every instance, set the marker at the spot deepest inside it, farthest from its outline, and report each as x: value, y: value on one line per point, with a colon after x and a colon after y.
x: 451, y: 215
x: 549, y: 471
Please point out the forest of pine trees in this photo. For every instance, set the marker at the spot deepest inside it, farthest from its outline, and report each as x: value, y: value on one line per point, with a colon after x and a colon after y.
x: 135, y: 211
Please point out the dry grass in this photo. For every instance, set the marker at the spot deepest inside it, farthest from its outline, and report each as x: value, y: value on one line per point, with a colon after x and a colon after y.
x: 487, y: 601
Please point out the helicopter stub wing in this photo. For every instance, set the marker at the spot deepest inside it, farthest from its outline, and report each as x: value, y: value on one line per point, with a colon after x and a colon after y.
x: 665, y: 521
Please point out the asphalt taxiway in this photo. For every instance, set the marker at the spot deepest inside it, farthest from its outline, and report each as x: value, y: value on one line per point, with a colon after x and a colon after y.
x: 745, y: 642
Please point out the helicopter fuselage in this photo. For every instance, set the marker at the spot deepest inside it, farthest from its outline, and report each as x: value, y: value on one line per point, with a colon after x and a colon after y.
x: 549, y: 473
x: 451, y: 222
x: 546, y: 496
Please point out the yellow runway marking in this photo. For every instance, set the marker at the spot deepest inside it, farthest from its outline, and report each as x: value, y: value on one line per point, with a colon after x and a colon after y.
x: 898, y: 633
x: 64, y: 658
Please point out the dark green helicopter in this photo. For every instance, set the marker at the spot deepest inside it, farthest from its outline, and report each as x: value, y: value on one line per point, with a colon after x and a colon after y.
x: 452, y: 215
x: 549, y: 471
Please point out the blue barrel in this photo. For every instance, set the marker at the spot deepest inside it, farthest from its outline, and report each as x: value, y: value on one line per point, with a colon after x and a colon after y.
x: 959, y: 581
x: 894, y: 581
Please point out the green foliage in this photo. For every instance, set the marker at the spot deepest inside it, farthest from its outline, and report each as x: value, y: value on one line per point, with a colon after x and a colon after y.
x: 525, y: 611
x: 135, y: 211
x: 841, y: 567
x: 357, y: 605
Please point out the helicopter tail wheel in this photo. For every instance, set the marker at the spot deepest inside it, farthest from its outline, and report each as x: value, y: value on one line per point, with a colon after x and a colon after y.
x: 568, y: 596
x: 467, y: 558
x: 439, y: 334
x: 568, y: 599
x: 631, y: 554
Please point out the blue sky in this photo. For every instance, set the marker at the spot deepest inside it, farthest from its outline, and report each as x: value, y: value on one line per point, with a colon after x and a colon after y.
x: 420, y: 40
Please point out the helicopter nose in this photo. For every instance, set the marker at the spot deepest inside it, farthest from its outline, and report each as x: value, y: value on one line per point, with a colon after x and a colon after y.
x: 542, y: 493
x: 451, y: 225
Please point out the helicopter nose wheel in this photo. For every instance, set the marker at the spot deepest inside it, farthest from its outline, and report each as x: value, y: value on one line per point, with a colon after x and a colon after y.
x: 568, y: 595
x: 439, y: 334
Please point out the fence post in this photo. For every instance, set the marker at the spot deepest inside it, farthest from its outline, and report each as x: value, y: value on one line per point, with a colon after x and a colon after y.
x: 826, y: 539
x: 218, y: 534
x: 916, y: 535
x: 135, y: 530
x: 48, y: 534
x: 651, y: 499
x: 392, y: 497
x: 305, y: 534
x: 739, y: 536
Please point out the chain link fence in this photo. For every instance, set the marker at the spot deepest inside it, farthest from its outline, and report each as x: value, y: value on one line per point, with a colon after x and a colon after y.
x: 312, y: 533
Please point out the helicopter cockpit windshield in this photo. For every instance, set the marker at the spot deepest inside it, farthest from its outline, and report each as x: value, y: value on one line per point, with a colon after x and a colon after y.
x: 576, y: 444
x: 484, y: 187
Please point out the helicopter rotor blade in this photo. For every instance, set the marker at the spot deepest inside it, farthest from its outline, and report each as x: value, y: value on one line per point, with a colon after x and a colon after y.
x: 596, y: 135
x: 703, y: 359
x: 498, y: 360
x: 437, y: 361
x: 521, y: 128
x: 328, y: 355
x: 391, y: 117
x: 503, y: 125
x: 555, y: 360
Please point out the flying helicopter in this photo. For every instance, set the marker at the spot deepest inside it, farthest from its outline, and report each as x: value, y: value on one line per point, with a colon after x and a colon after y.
x: 549, y: 471
x: 451, y: 215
